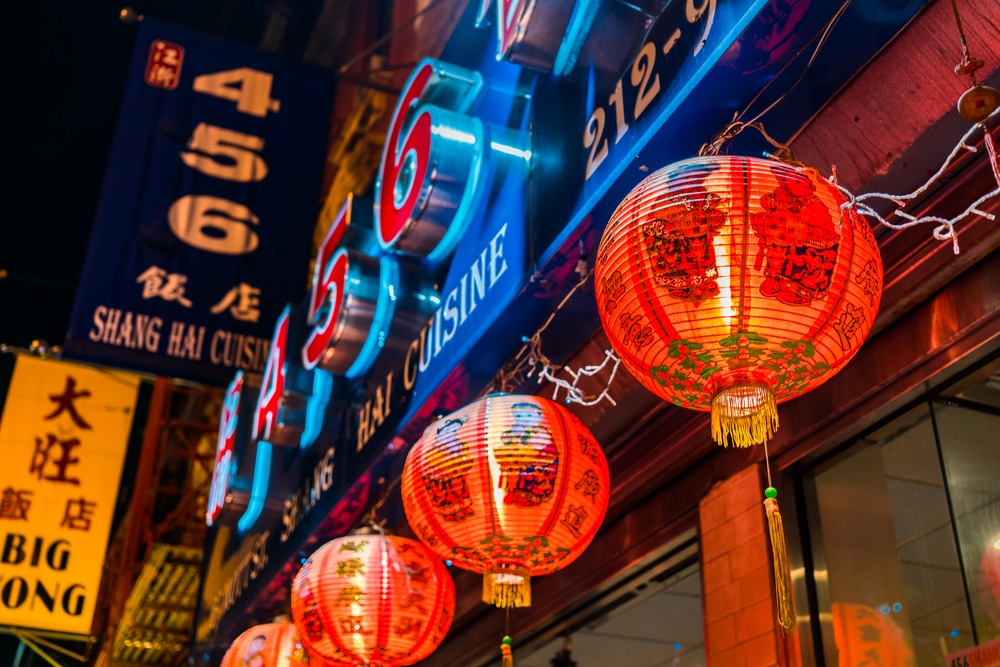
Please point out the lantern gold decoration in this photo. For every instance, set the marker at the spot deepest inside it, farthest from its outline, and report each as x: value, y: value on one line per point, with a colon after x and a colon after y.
x: 372, y: 599
x: 508, y: 486
x: 268, y: 645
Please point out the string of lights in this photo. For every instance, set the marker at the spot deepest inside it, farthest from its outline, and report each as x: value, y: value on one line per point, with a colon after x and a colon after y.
x: 531, y: 361
x: 945, y: 229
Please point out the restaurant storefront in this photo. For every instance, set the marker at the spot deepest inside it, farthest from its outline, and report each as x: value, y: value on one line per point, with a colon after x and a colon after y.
x: 886, y: 472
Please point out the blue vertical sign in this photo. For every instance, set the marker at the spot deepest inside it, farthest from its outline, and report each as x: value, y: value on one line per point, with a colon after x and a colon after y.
x: 204, y: 226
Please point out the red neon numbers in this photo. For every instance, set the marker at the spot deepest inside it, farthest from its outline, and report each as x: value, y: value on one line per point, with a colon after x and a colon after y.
x: 224, y: 449
x: 265, y: 417
x: 416, y: 206
x: 325, y: 321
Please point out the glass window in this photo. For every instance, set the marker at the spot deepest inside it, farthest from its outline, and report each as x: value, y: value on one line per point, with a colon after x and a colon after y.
x: 652, y: 621
x: 906, y: 524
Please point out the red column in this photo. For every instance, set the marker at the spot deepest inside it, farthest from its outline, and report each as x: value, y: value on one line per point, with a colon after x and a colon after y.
x: 737, y: 577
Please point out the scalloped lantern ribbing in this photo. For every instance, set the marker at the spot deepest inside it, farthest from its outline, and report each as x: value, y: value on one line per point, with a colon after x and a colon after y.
x: 267, y: 645
x: 508, y: 486
x: 731, y: 284
x: 369, y: 599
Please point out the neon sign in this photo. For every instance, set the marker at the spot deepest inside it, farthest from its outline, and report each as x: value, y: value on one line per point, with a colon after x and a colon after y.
x: 571, y: 38
x: 224, y: 450
x: 280, y: 414
x: 435, y: 169
x: 349, y: 326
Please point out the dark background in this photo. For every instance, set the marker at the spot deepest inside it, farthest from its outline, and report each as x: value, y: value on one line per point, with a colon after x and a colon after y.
x: 64, y: 69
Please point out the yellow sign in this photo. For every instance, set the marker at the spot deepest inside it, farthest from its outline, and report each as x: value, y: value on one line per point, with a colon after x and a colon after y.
x: 63, y: 437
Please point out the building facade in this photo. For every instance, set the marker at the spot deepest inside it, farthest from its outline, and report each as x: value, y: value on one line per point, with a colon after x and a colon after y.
x: 543, y: 122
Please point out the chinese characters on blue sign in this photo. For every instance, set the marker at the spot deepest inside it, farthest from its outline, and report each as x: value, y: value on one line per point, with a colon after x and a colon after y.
x: 205, y: 220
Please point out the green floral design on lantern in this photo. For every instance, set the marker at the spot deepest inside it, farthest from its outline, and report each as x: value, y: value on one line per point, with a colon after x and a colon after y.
x: 793, y: 366
x: 686, y: 377
x: 691, y: 365
x: 534, y: 549
x: 744, y: 349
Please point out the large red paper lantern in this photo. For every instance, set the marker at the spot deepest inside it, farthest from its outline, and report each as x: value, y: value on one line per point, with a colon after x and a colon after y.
x: 373, y: 600
x: 268, y: 645
x: 508, y: 486
x: 731, y: 284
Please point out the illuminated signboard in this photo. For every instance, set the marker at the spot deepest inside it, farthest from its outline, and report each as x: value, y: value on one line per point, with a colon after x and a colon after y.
x: 223, y: 469
x: 64, y: 434
x: 437, y: 164
x: 574, y: 39
x: 204, y: 225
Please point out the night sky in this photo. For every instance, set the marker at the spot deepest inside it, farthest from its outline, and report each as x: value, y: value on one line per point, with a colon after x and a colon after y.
x: 65, y: 63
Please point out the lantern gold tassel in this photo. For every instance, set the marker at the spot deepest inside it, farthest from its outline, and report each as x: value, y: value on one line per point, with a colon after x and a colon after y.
x: 507, y: 586
x: 506, y: 652
x: 744, y: 415
x: 782, y: 571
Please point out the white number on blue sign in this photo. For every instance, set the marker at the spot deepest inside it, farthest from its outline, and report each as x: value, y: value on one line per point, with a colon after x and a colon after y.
x: 645, y: 83
x: 214, y: 224
x: 249, y: 88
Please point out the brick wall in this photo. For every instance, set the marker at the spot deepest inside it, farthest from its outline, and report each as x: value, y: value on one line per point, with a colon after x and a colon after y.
x: 737, y: 576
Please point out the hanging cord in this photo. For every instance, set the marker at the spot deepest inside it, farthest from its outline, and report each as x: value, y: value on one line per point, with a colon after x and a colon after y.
x: 779, y: 550
x: 737, y: 125
x: 969, y: 65
x: 506, y: 644
x: 820, y: 38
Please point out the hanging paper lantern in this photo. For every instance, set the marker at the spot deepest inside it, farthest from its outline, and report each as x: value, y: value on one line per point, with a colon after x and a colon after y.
x: 731, y: 284
x: 268, y: 645
x: 508, y: 486
x: 371, y: 599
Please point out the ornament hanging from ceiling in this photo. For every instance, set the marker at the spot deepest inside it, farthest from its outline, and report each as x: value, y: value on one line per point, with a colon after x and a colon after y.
x: 373, y: 599
x: 731, y: 284
x: 268, y: 645
x: 509, y: 486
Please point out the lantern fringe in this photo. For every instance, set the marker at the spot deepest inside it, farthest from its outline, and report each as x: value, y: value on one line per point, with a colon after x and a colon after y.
x: 744, y: 415
x: 507, y: 587
x: 506, y: 652
x: 782, y: 570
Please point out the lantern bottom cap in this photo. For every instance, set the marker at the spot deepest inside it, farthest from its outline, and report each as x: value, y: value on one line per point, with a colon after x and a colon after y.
x: 744, y: 415
x: 507, y: 586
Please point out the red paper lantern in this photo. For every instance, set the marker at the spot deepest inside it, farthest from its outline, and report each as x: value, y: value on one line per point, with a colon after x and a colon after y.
x: 373, y: 600
x: 268, y: 645
x: 508, y: 486
x: 731, y: 284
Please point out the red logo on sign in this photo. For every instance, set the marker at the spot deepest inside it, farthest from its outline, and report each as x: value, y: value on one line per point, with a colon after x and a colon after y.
x: 163, y: 69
